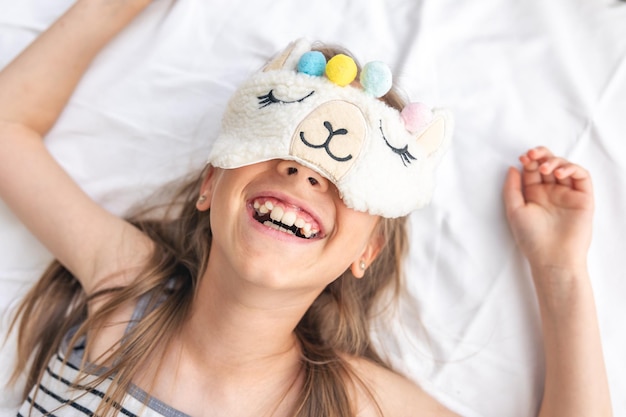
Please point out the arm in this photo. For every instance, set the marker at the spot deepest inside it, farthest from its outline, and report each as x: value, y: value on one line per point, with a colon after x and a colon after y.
x: 549, y: 206
x: 34, y: 89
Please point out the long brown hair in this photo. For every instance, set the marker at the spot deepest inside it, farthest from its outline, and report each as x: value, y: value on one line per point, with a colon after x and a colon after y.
x: 336, y: 324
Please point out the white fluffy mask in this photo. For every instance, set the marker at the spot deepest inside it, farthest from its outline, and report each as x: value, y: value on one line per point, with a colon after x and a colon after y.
x: 381, y: 160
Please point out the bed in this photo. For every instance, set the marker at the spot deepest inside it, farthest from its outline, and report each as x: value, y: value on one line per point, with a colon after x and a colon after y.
x: 515, y: 75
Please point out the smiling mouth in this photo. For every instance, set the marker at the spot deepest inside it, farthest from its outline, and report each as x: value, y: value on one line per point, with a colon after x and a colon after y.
x: 287, y: 219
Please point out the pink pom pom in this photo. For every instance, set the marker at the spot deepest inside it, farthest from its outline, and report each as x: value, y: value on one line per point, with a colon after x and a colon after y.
x: 416, y: 116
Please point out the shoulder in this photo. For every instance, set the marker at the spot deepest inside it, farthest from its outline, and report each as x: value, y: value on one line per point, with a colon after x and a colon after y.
x: 377, y: 387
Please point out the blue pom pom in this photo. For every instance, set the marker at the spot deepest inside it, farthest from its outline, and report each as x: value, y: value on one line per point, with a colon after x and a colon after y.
x: 376, y: 78
x: 312, y: 63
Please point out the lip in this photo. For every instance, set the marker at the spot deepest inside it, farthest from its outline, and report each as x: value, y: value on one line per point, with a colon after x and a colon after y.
x: 291, y: 201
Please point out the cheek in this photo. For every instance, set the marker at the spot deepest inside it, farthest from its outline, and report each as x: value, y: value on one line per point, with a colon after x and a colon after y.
x: 226, y: 205
x: 361, y: 223
x: 356, y: 229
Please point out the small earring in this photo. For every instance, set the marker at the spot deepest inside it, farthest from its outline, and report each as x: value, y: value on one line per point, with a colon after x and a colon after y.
x: 362, y: 265
x: 202, y: 199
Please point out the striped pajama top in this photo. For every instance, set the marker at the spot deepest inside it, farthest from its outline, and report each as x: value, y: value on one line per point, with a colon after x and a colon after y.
x: 57, y: 398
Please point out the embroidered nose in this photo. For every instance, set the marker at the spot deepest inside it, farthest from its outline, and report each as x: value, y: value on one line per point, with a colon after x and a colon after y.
x: 326, y: 145
x: 330, y: 137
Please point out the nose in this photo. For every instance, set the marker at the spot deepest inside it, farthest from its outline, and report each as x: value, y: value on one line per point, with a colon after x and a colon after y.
x: 303, y: 175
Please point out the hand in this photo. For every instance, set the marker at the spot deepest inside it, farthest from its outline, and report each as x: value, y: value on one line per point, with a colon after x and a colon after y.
x: 549, y: 206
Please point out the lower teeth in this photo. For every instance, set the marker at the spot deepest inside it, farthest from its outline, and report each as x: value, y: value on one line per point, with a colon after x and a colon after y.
x: 274, y: 226
x: 266, y: 221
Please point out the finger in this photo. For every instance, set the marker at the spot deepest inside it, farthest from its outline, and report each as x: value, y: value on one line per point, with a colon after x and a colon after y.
x: 548, y: 167
x: 512, y: 191
x: 581, y: 180
x: 563, y: 174
x: 532, y: 160
x: 548, y: 179
x: 540, y: 153
x: 530, y: 172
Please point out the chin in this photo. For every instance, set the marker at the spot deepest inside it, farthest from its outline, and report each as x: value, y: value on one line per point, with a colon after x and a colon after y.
x: 278, y: 275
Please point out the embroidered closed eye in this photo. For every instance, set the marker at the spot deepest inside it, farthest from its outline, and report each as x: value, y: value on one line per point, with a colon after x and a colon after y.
x: 269, y: 98
x: 404, y: 153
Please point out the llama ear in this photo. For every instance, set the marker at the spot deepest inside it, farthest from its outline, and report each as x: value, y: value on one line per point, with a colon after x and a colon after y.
x: 436, y: 134
x: 288, y: 58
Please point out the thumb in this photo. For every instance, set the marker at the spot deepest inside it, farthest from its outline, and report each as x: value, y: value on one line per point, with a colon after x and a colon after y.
x: 512, y: 191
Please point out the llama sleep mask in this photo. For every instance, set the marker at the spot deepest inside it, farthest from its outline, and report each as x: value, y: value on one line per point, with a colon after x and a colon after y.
x: 300, y: 107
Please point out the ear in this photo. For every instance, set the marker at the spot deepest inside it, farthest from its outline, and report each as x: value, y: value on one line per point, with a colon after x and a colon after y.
x: 206, y: 189
x: 289, y: 56
x: 436, y: 134
x: 369, y: 254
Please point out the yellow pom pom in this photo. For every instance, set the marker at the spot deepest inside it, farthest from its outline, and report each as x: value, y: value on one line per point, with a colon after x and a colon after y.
x: 341, y: 70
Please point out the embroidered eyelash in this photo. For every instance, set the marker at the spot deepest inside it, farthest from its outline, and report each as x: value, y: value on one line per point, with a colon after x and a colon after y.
x: 269, y: 98
x: 404, y: 153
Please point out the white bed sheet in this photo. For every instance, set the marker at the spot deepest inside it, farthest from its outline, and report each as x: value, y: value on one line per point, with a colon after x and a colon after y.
x: 516, y: 74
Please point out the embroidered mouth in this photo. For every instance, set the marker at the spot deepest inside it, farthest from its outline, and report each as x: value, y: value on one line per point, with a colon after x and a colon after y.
x: 285, y: 218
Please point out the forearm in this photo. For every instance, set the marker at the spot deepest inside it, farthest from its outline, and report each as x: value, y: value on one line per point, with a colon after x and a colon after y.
x: 36, y: 86
x: 575, y: 382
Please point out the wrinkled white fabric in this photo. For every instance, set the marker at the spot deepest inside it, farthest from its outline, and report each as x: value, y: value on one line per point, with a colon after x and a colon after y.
x: 515, y: 75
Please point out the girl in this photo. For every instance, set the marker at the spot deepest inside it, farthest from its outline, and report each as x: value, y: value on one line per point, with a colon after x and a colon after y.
x: 251, y: 293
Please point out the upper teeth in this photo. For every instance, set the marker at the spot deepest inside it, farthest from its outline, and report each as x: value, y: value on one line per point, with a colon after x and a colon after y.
x: 286, y: 217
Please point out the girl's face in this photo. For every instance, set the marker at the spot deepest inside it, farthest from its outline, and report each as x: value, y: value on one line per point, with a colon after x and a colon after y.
x: 282, y: 225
